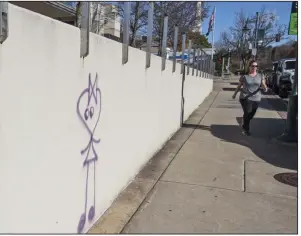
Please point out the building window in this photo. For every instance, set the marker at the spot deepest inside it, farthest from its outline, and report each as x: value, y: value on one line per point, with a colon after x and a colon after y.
x: 105, y: 20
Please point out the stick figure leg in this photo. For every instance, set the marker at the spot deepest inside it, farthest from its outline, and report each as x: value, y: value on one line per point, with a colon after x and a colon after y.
x: 82, y: 220
x: 92, y: 183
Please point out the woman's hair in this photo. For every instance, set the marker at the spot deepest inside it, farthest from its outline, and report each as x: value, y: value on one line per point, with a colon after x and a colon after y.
x: 251, y: 62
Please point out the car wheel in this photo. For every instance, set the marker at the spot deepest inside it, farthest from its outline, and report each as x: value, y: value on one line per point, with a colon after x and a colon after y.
x: 275, y: 89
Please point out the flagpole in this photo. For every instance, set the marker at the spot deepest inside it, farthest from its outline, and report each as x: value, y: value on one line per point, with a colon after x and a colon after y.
x: 201, y: 21
x: 213, y: 27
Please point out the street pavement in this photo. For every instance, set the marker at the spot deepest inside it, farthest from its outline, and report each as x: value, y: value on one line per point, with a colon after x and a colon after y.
x: 209, y: 178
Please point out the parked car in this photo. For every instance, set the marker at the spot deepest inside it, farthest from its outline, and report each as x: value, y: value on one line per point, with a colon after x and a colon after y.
x: 269, y: 77
x: 286, y: 84
x: 283, y: 78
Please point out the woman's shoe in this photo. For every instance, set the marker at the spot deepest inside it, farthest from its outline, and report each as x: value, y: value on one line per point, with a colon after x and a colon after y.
x: 246, y: 132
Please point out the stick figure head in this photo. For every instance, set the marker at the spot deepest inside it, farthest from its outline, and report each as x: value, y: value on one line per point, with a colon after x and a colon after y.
x: 88, y: 105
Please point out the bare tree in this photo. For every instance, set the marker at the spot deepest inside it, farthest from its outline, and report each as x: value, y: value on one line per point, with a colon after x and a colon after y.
x: 238, y: 41
x: 98, y: 17
x: 138, y: 20
x: 186, y: 15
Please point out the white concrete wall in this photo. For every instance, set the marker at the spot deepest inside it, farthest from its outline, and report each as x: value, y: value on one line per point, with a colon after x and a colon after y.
x: 41, y: 136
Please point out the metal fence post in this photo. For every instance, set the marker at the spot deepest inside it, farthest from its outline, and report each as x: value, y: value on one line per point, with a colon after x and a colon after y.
x: 210, y: 69
x: 198, y: 63
x: 193, y: 61
x: 188, y: 58
x: 175, y: 44
x: 149, y: 34
x: 183, y: 51
x: 206, y: 67
x: 84, y: 29
x: 126, y: 35
x: 164, y: 42
x: 209, y: 62
x: 201, y: 64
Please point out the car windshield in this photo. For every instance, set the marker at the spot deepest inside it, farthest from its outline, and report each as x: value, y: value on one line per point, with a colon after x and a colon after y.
x: 290, y: 65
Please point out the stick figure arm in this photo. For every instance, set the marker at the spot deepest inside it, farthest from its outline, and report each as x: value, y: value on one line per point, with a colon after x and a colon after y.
x: 86, y: 148
x: 95, y: 140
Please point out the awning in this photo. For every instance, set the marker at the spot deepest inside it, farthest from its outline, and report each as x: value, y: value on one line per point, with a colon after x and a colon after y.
x: 56, y: 10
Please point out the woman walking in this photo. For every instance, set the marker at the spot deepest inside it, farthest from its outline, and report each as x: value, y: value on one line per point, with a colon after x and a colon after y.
x: 250, y: 95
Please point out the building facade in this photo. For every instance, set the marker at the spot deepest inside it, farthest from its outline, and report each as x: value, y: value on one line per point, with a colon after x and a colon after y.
x: 104, y: 19
x: 198, y: 29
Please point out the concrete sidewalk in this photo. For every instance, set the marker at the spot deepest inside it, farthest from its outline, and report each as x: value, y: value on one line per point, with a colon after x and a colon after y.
x: 209, y: 178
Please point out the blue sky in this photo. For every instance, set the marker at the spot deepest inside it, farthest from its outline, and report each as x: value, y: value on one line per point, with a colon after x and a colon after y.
x: 225, y: 13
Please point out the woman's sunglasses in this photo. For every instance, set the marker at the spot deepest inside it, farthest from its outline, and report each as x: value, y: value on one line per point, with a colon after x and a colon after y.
x: 254, y: 66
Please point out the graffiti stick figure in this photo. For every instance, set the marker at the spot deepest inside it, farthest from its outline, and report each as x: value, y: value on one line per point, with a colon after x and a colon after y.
x: 88, y: 111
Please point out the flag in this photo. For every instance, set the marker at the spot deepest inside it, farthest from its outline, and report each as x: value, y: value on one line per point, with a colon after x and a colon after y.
x: 211, y: 22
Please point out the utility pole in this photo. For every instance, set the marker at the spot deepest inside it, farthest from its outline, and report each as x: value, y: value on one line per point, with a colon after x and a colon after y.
x: 200, y: 5
x: 213, y: 27
x: 256, y: 34
x: 290, y: 134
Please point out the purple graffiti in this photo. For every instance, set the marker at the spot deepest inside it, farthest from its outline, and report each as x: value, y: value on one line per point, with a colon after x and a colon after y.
x: 88, y: 111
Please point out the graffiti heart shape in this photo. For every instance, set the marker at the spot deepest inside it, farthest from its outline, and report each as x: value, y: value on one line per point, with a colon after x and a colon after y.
x: 89, y: 105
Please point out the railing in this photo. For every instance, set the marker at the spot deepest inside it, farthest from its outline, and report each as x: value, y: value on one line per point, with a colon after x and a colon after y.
x: 197, y: 59
x: 64, y: 6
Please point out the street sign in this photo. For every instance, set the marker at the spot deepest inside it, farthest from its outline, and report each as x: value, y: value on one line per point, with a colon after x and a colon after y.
x: 293, y: 25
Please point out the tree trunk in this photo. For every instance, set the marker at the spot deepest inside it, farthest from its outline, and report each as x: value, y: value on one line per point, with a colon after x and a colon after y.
x: 132, y: 40
x: 134, y: 27
x: 161, y: 35
x: 244, y: 65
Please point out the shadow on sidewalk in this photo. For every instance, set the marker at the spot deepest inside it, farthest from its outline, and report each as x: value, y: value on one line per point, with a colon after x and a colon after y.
x: 263, y: 129
x: 274, y: 104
